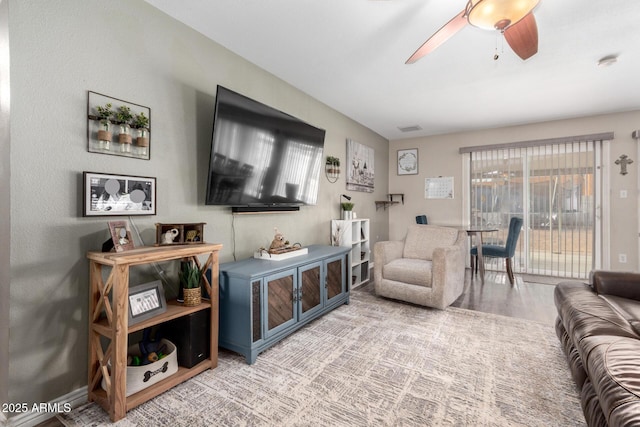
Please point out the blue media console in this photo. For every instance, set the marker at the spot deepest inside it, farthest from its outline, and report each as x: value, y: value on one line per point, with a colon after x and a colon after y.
x: 263, y: 301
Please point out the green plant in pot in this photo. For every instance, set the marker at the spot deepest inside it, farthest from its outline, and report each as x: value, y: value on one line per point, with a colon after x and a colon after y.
x: 333, y: 165
x: 123, y: 117
x: 347, y: 208
x: 141, y: 124
x: 190, y: 277
x: 104, y: 120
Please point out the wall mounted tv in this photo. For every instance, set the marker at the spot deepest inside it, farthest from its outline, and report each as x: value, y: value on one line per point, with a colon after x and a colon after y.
x: 261, y: 159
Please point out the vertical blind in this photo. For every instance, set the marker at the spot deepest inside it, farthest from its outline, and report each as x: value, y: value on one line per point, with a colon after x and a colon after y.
x: 551, y: 184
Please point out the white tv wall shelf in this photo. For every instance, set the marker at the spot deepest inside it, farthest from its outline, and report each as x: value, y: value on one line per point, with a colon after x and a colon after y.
x: 354, y: 233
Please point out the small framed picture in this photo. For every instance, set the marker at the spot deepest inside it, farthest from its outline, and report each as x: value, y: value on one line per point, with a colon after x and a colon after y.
x: 121, y: 235
x: 118, y: 195
x: 408, y: 162
x: 145, y: 301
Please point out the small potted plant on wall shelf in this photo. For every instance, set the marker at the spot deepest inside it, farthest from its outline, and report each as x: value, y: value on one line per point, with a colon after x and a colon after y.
x: 123, y: 118
x: 347, y: 210
x: 141, y: 124
x: 104, y: 124
x: 190, y: 277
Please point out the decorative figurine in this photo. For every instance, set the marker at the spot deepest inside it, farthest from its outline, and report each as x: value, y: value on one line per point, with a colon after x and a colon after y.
x: 278, y: 241
x: 170, y: 235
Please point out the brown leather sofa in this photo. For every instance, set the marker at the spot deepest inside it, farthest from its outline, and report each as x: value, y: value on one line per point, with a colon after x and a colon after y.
x: 599, y: 327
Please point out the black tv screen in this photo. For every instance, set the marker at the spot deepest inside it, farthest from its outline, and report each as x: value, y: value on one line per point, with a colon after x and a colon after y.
x: 261, y: 156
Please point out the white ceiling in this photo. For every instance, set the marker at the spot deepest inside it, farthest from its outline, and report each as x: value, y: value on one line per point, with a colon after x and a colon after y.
x: 350, y: 54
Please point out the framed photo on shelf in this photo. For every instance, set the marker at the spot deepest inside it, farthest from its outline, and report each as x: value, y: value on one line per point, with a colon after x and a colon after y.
x: 145, y: 301
x: 408, y: 161
x: 121, y: 235
x: 118, y: 195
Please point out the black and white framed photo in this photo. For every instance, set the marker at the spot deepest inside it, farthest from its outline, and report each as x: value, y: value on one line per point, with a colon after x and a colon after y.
x: 145, y: 301
x: 116, y: 195
x: 408, y: 162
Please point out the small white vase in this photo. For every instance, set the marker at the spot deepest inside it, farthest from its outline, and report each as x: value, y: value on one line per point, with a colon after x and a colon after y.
x: 347, y: 215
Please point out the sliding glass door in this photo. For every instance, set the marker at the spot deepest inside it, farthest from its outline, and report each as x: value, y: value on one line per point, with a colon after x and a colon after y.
x: 553, y: 188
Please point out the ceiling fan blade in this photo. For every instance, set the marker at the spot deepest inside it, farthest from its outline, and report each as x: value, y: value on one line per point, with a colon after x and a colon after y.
x: 440, y: 36
x: 523, y: 37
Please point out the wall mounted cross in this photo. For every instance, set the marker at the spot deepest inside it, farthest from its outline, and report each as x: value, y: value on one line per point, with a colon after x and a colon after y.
x: 623, y: 161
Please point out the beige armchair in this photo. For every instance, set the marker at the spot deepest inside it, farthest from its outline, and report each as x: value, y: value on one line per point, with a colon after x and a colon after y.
x: 426, y: 268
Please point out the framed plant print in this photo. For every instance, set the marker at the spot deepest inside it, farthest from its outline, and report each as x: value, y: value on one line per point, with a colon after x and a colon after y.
x: 408, y: 162
x: 118, y: 195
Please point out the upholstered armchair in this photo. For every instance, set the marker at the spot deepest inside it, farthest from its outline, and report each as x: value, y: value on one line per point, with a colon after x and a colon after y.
x: 426, y: 268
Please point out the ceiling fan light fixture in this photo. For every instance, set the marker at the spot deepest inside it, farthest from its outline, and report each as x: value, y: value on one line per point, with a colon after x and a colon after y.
x: 498, y: 14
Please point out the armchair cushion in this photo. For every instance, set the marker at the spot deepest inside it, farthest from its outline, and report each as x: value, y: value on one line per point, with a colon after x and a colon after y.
x: 422, y: 239
x: 408, y: 270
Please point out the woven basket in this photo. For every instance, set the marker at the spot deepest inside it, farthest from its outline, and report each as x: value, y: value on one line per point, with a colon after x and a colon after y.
x: 192, y: 297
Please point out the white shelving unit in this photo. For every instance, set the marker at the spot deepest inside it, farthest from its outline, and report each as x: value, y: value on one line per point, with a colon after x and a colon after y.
x: 354, y: 233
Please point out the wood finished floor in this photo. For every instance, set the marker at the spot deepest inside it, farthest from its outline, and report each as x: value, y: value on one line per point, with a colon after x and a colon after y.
x: 529, y: 298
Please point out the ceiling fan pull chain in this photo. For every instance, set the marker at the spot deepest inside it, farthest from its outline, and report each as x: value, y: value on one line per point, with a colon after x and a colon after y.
x: 499, y: 41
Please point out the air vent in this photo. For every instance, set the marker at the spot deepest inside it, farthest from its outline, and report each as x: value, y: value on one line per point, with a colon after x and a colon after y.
x: 409, y: 128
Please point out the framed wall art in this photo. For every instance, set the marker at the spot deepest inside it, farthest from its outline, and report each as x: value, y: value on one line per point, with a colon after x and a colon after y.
x: 145, y: 301
x: 117, y: 195
x: 408, y: 161
x: 360, y: 167
x: 118, y: 127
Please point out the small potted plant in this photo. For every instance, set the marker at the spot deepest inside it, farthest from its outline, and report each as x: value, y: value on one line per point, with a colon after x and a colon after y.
x: 123, y: 118
x: 141, y: 124
x: 104, y: 124
x: 333, y: 165
x: 190, y: 277
x: 347, y: 210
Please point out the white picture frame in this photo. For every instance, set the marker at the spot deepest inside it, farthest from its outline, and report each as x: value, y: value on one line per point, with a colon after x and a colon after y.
x: 407, y: 161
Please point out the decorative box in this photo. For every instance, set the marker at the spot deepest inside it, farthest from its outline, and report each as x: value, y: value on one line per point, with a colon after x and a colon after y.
x: 180, y: 233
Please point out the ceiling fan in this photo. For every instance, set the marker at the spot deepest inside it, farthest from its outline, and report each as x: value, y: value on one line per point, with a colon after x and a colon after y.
x: 513, y: 18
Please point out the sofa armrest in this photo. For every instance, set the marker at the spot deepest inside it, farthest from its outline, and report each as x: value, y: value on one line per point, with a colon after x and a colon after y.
x: 618, y: 283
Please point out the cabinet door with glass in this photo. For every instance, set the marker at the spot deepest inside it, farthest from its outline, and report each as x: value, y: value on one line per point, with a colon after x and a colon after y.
x: 335, y: 271
x: 279, y: 304
x: 310, y: 290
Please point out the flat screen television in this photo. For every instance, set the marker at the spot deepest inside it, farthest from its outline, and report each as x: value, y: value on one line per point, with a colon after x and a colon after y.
x: 261, y: 158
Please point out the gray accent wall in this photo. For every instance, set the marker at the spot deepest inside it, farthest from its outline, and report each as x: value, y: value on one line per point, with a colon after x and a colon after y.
x: 5, y: 206
x: 129, y: 50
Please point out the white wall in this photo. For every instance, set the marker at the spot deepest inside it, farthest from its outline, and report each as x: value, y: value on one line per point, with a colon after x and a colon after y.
x: 438, y: 156
x: 131, y: 51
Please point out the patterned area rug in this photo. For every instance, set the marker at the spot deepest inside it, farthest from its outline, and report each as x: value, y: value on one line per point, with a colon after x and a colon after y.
x: 377, y: 362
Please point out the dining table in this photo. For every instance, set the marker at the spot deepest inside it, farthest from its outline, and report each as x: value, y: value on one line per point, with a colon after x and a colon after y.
x: 475, y: 234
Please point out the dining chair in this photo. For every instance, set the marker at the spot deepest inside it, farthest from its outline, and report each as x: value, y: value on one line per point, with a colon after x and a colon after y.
x: 421, y: 219
x: 507, y: 251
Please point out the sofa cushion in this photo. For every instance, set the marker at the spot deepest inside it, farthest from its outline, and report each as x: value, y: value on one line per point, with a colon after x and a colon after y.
x: 614, y: 372
x: 408, y: 270
x: 585, y: 314
x: 422, y: 239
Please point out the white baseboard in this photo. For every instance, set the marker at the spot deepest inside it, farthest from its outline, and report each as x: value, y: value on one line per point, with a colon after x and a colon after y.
x: 29, y: 419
